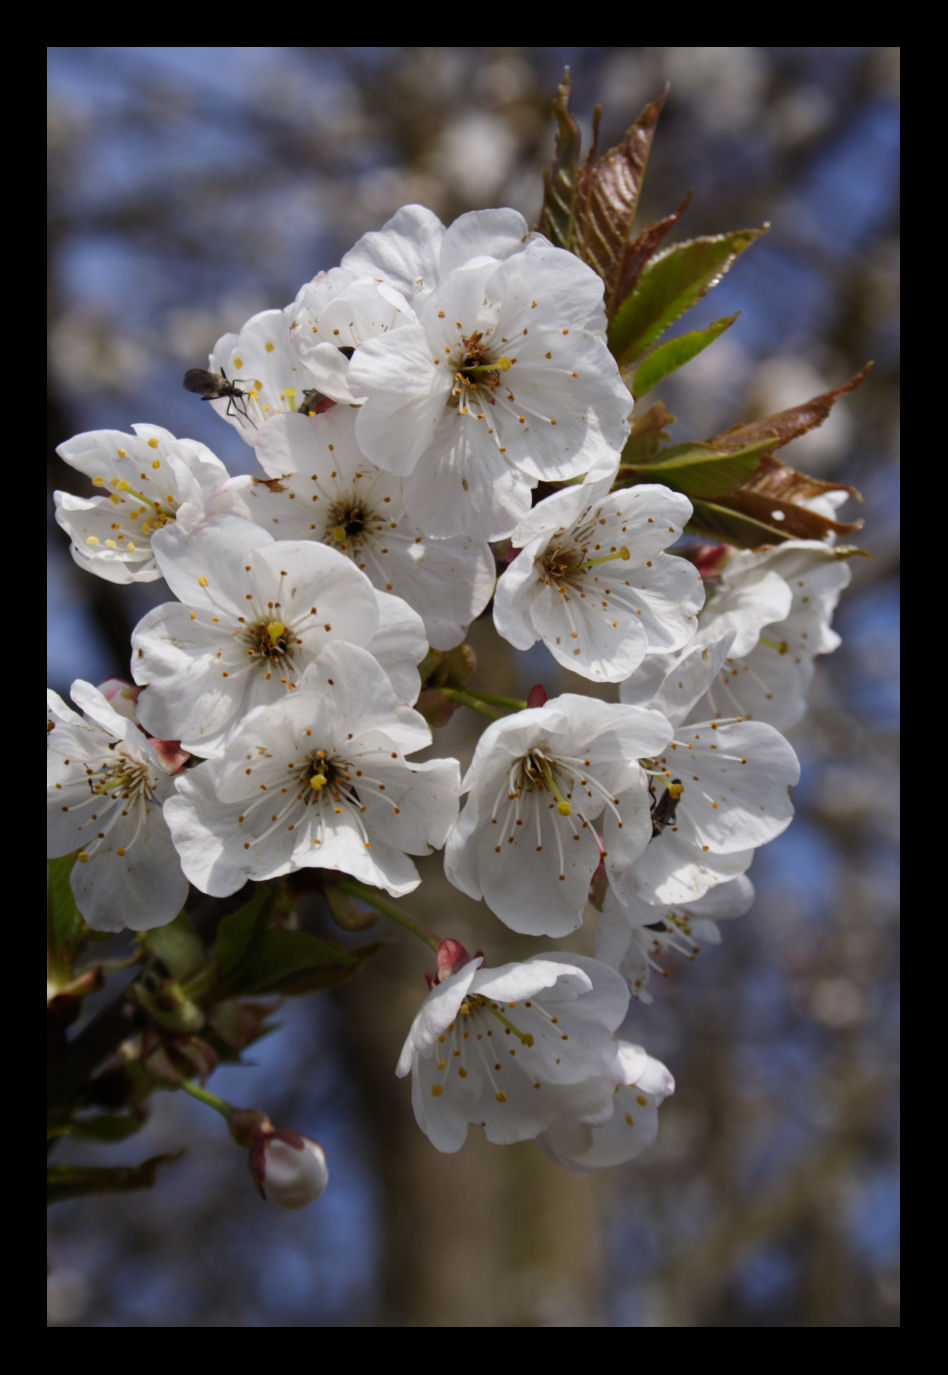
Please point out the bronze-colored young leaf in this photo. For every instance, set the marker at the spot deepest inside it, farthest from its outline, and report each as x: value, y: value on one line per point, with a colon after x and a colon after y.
x: 560, y: 183
x: 749, y: 519
x: 645, y: 245
x: 698, y: 471
x: 74, y: 1181
x: 773, y: 479
x: 671, y: 283
x: 647, y: 436
x: 674, y: 354
x: 786, y: 425
x: 607, y: 202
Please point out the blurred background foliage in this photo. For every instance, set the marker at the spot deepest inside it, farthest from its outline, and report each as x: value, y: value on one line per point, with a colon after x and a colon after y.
x: 191, y: 187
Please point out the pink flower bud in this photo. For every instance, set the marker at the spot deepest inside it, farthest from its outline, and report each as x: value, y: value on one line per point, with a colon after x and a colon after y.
x: 122, y: 696
x: 289, y: 1169
x: 451, y: 957
x: 170, y: 753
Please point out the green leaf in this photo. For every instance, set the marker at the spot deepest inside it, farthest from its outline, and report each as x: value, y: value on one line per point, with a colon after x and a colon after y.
x: 76, y: 1181
x: 698, y: 471
x: 178, y: 946
x: 66, y: 932
x: 667, y: 358
x: 558, y: 213
x: 293, y: 962
x: 239, y: 930
x: 607, y: 202
x: 647, y: 435
x: 671, y: 283
x: 108, y: 1126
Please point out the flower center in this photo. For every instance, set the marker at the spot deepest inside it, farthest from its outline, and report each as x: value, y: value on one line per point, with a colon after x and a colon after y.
x: 270, y: 641
x: 347, y: 520
x: 477, y: 367
x: 562, y: 563
x: 320, y: 773
x: 123, y: 778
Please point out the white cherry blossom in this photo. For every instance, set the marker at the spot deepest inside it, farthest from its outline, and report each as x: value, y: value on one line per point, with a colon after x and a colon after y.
x: 495, y: 1046
x: 716, y: 792
x: 767, y: 617
x: 591, y: 580
x: 253, y: 613
x: 318, y: 779
x: 502, y: 380
x: 413, y: 252
x: 322, y: 488
x: 769, y: 679
x: 149, y: 480
x: 583, y: 1139
x: 331, y: 316
x: 633, y: 936
x: 527, y: 839
x: 105, y: 787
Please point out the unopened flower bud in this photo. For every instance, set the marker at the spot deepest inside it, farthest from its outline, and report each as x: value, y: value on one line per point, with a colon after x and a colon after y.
x: 122, y: 696
x: 289, y: 1169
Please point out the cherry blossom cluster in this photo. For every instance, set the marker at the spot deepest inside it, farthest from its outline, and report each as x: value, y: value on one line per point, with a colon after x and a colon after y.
x: 440, y: 406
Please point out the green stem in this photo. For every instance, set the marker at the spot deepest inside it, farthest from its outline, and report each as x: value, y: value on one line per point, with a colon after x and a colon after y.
x: 205, y: 1096
x: 467, y: 699
x: 495, y: 700
x: 374, y: 898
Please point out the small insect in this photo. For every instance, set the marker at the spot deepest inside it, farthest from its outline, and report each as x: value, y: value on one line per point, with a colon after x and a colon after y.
x: 214, y: 386
x: 314, y: 403
x: 664, y: 808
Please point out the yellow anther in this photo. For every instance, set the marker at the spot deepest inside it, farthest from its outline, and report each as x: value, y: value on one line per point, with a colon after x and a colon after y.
x: 203, y: 580
x: 98, y: 482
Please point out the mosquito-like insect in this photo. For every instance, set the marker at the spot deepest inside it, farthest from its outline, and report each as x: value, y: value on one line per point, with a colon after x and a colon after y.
x: 214, y: 386
x: 664, y: 808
